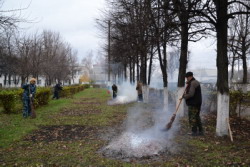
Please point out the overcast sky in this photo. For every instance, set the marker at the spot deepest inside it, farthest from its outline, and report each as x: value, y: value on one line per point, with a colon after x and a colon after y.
x: 75, y: 21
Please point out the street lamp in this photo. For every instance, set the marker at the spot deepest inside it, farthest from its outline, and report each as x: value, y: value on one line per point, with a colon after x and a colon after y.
x: 109, y: 23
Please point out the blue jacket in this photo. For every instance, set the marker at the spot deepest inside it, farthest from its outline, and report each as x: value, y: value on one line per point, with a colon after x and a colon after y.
x: 29, y: 89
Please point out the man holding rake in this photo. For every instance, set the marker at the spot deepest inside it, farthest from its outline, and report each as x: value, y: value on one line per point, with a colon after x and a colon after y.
x: 193, y: 99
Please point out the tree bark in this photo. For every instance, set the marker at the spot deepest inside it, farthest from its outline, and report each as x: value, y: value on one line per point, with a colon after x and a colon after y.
x: 222, y: 68
x: 150, y: 66
x: 183, y: 56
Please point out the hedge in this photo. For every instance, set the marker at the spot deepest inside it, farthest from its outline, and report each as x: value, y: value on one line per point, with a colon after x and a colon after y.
x: 237, y: 97
x: 9, y: 98
x: 42, y: 97
x: 69, y: 91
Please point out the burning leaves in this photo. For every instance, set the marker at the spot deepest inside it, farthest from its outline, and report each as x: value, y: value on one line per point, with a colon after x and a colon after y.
x: 121, y: 100
x: 141, y: 138
x: 134, y: 145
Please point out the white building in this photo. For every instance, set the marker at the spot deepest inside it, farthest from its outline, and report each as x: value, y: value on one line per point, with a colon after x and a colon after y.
x: 99, y: 74
x: 80, y: 71
x: 202, y: 75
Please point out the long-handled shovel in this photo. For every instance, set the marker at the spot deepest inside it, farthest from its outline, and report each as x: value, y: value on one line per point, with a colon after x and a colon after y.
x: 169, y: 125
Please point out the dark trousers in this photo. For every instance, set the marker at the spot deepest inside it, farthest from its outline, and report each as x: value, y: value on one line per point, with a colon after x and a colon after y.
x: 114, y: 94
x: 26, y: 107
x: 56, y: 95
x: 194, y: 118
x: 140, y: 97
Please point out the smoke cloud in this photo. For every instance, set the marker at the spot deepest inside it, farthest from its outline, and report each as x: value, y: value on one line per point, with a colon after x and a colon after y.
x: 126, y: 94
x: 145, y: 133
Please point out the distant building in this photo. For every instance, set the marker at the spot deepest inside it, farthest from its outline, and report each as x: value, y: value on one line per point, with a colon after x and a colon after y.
x: 16, y: 81
x: 202, y: 75
x: 99, y: 74
x: 205, y: 75
x: 80, y: 71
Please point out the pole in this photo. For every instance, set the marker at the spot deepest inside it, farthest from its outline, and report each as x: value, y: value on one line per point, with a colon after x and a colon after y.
x: 109, y: 50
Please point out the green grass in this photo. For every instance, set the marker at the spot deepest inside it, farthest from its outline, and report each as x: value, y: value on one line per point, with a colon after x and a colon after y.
x: 15, y: 151
x: 13, y: 127
x: 62, y: 153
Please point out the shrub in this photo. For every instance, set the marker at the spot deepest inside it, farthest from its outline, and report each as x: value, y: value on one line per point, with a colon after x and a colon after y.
x: 65, y: 92
x: 237, y: 97
x: 9, y: 99
x: 69, y: 91
x: 42, y: 96
x: 86, y: 86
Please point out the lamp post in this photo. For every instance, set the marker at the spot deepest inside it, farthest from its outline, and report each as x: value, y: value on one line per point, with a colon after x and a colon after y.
x: 109, y: 23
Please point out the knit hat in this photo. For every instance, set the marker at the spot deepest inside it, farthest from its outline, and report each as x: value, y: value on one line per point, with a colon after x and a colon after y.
x: 189, y: 74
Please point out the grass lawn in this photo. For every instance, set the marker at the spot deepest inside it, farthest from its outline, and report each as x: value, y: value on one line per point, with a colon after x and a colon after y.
x: 67, y: 132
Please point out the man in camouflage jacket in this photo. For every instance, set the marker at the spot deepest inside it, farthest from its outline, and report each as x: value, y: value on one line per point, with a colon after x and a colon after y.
x: 193, y: 99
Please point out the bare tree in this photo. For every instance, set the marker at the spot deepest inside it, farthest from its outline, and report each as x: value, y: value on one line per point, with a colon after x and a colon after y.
x: 239, y: 42
x: 216, y: 13
x: 9, y: 19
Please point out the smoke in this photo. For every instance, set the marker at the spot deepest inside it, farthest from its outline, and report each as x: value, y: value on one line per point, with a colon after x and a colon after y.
x: 126, y: 94
x: 145, y: 133
x: 209, y: 98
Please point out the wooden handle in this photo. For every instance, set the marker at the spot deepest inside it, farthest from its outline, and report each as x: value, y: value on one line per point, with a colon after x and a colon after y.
x: 180, y: 100
x: 178, y: 106
x: 229, y: 129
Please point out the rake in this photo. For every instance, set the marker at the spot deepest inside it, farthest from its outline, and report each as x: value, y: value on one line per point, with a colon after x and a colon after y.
x: 169, y: 125
x: 33, y: 113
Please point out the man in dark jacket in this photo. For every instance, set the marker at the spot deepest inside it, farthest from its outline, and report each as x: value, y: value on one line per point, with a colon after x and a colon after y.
x: 193, y: 99
x: 114, y: 88
x: 28, y: 95
x: 57, y: 90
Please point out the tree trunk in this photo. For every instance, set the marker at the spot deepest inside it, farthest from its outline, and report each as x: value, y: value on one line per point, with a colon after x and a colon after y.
x: 244, y: 60
x: 165, y: 100
x: 130, y: 72
x: 138, y: 69
x: 180, y: 91
x: 232, y: 71
x: 9, y: 80
x: 183, y: 56
x: 5, y: 80
x: 150, y: 66
x: 22, y: 80
x: 125, y: 72
x: 145, y: 93
x: 222, y: 68
x: 133, y: 71
x: 183, y: 64
x: 143, y: 69
x: 222, y: 114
